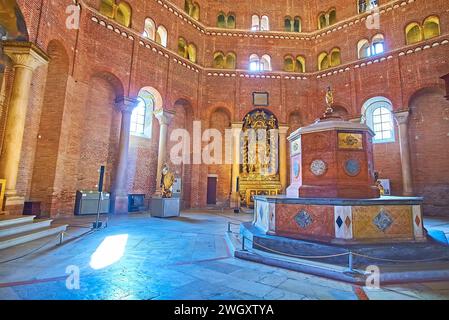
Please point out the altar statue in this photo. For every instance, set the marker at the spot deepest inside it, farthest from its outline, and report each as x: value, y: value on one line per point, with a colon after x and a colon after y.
x: 167, y: 181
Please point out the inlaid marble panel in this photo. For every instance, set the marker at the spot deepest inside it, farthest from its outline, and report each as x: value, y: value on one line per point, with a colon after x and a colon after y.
x: 380, y: 222
x: 305, y: 220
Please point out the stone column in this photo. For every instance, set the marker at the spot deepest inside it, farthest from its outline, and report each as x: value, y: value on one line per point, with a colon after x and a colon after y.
x: 119, y: 196
x: 164, y: 117
x: 26, y: 57
x: 236, y: 151
x: 402, y: 121
x: 283, y: 156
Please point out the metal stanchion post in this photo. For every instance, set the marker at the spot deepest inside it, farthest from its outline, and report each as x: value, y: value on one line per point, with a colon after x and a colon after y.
x: 350, y: 263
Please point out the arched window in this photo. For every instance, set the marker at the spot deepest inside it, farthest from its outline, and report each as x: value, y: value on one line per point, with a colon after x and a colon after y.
x: 123, y: 15
x: 107, y: 8
x: 230, y: 60
x: 377, y: 45
x: 191, y: 52
x: 255, y: 23
x: 323, y: 61
x: 265, y: 63
x: 365, y: 5
x: 413, y: 33
x: 289, y: 64
x: 188, y: 5
x: 431, y: 27
x: 364, y: 49
x: 332, y: 17
x: 297, y: 24
x: 378, y: 114
x: 230, y: 21
x: 335, y: 57
x: 195, y: 14
x: 254, y: 62
x: 149, y: 30
x: 182, y: 47
x: 300, y: 65
x: 264, y: 24
x: 161, y: 36
x: 192, y: 9
x: 221, y: 20
x: 288, y: 25
x: 322, y: 21
x: 142, y: 115
x: 218, y: 60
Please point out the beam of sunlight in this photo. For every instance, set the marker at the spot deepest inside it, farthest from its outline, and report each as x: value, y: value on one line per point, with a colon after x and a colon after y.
x: 109, y: 251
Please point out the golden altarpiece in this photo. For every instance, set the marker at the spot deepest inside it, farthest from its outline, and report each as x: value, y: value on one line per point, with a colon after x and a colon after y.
x: 259, y: 163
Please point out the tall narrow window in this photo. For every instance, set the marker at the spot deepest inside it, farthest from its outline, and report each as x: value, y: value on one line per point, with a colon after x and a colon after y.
x: 264, y: 24
x: 335, y: 57
x: 288, y: 24
x: 182, y: 47
x: 255, y: 23
x: 289, y: 64
x: 161, y: 36
x: 364, y: 49
x: 297, y: 24
x: 254, y: 62
x: 191, y: 52
x: 431, y: 27
x: 218, y: 60
x: 230, y: 60
x: 123, y: 15
x: 323, y: 61
x: 300, y: 65
x: 149, y: 29
x: 221, y: 20
x: 138, y: 118
x: 265, y: 63
x: 378, y: 46
x: 413, y: 33
x: 332, y: 17
x: 230, y: 23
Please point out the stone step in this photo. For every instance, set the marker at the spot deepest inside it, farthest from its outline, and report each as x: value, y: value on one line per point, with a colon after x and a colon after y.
x: 12, y: 220
x: 16, y: 239
x: 24, y: 227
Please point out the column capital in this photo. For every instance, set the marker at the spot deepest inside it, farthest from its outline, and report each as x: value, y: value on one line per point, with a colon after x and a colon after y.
x: 126, y: 104
x: 237, y: 125
x: 164, y: 116
x: 25, y: 54
x: 401, y: 117
x: 283, y: 128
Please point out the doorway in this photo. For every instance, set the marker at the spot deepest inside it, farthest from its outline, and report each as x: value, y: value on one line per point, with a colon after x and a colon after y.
x: 211, y: 190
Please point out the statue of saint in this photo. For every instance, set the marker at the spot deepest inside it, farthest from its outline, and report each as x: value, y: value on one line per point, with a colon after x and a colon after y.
x: 167, y: 180
x: 329, y: 97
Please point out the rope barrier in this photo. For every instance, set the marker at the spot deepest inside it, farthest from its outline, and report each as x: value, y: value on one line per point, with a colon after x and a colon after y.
x: 349, y: 253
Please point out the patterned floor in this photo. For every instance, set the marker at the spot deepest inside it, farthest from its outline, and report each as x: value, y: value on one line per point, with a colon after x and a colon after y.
x: 139, y: 257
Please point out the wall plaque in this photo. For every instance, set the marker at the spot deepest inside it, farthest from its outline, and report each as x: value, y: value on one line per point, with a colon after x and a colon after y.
x: 260, y: 99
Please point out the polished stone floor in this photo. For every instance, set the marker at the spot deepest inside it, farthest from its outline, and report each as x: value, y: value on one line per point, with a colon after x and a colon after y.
x: 139, y: 257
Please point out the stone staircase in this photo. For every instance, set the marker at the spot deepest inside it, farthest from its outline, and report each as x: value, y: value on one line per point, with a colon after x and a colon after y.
x: 15, y: 230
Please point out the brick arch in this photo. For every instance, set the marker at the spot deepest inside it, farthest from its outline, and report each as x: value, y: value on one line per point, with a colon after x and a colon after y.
x: 219, y: 106
x: 111, y: 79
x: 429, y: 147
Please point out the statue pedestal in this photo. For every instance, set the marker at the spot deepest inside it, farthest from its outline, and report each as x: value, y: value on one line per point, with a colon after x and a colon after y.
x: 165, y: 207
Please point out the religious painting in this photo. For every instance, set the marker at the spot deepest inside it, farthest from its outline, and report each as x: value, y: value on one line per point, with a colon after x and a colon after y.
x: 350, y: 140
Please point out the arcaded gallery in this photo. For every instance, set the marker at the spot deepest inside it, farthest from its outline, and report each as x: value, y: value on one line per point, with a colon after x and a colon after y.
x: 224, y: 150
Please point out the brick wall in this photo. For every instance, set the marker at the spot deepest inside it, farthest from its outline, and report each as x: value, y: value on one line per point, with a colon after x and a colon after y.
x: 102, y: 64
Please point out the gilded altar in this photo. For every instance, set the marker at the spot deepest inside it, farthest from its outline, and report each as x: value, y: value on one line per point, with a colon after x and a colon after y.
x: 259, y: 166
